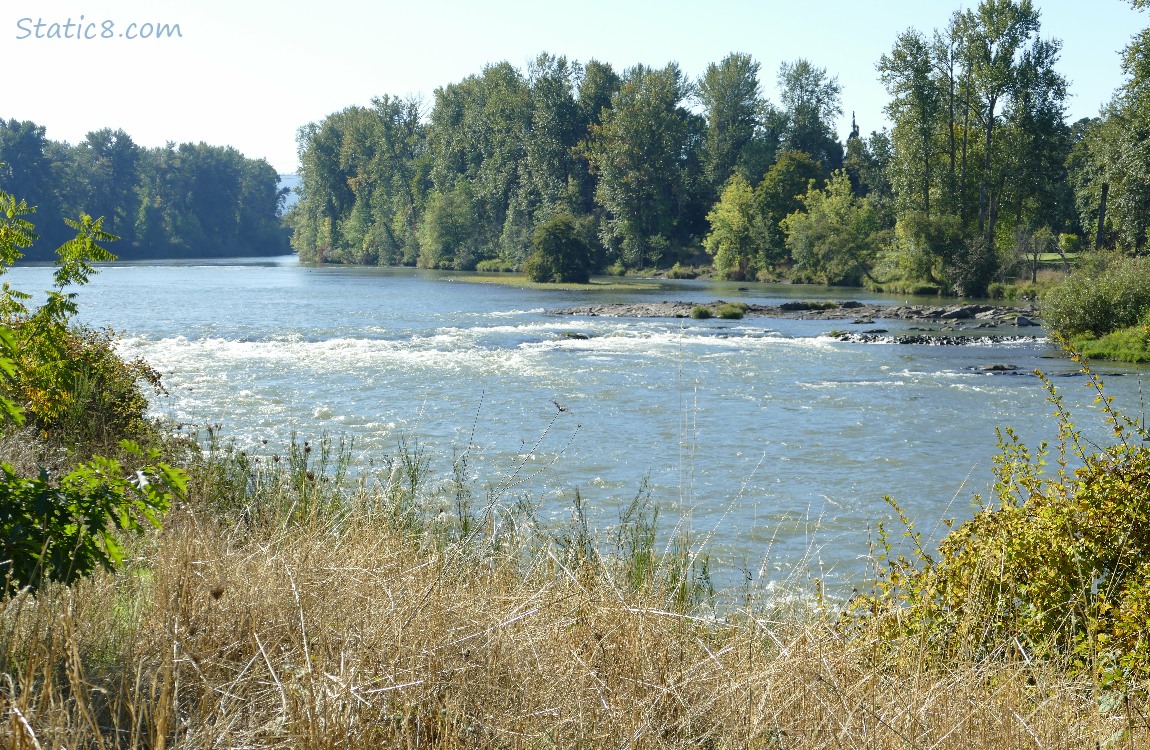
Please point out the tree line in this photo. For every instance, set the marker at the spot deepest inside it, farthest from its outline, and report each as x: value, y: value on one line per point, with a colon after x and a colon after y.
x: 190, y: 200
x: 980, y: 175
x: 629, y: 157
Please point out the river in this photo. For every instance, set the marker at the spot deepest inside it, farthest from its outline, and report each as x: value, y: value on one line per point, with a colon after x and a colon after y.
x: 771, y: 443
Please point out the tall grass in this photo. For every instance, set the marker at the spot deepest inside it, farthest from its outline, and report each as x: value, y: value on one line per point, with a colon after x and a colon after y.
x: 291, y: 603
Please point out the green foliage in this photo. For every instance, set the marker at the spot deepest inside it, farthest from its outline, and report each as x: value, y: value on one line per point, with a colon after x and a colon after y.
x: 736, y: 238
x: 191, y: 200
x: 494, y: 265
x: 640, y: 154
x: 1114, y: 150
x: 63, y: 530
x: 448, y: 234
x: 835, y: 239
x: 1055, y: 567
x: 560, y: 254
x: 1098, y: 301
x: 71, y: 386
x: 778, y: 195
x: 979, y: 143
x: 924, y: 245
x: 1130, y: 344
x: 731, y: 310
x: 729, y: 93
x: 677, y: 271
x: 70, y: 382
x: 812, y: 101
x: 700, y: 312
x: 10, y: 411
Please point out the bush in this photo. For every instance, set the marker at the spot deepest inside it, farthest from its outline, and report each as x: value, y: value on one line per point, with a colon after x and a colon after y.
x: 732, y: 310
x: 700, y: 312
x: 560, y: 254
x: 679, y: 272
x: 495, y: 265
x: 1124, y: 345
x: 61, y: 531
x: 1057, y: 567
x: 67, y: 383
x: 1100, y: 301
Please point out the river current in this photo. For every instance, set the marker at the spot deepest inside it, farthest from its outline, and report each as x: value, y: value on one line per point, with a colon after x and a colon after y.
x: 772, y: 443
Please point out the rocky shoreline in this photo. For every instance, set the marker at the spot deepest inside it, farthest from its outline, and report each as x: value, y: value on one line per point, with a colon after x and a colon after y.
x: 982, y: 316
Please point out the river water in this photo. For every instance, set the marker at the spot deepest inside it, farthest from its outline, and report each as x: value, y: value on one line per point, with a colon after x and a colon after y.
x: 771, y: 443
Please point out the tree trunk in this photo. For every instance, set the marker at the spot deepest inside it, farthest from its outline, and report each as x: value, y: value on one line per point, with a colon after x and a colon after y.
x: 962, y: 177
x: 1101, y: 215
x: 983, y: 197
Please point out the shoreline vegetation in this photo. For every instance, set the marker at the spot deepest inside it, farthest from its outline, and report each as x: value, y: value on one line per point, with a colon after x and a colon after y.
x: 190, y: 200
x: 288, y: 596
x: 981, y: 189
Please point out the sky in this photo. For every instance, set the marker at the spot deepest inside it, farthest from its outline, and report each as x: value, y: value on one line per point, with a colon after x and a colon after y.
x: 250, y: 73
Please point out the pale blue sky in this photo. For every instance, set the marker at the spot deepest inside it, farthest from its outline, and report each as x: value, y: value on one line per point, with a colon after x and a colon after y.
x: 248, y: 73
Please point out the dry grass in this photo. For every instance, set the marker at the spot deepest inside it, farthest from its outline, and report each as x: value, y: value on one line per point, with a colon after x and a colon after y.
x: 323, y: 634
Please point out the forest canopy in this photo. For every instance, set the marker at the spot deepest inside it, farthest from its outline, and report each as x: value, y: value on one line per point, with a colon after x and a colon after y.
x: 190, y: 200
x: 980, y: 174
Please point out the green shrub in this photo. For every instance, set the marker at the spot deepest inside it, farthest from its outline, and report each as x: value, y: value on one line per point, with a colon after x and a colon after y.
x: 679, y: 272
x: 62, y: 530
x: 1130, y: 344
x: 731, y: 310
x: 1056, y: 567
x: 700, y: 312
x: 560, y: 254
x: 68, y: 384
x: 1100, y: 301
x: 495, y: 265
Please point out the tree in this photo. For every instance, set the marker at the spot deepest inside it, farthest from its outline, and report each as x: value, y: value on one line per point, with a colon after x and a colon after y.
x: 915, y: 108
x: 26, y: 165
x: 834, y: 238
x: 978, y: 122
x: 639, y: 154
x: 868, y: 162
x: 737, y: 237
x: 448, y: 234
x: 729, y: 93
x: 109, y: 162
x: 995, y: 34
x: 560, y: 255
x: 779, y: 194
x: 811, y: 101
x: 1113, y: 153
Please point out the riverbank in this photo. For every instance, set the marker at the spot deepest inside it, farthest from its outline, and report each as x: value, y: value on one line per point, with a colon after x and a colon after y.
x: 986, y: 315
x: 285, y: 607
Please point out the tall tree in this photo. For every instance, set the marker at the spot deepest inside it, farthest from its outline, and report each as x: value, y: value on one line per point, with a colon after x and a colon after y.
x: 811, y: 100
x: 27, y: 170
x: 996, y: 33
x: 729, y: 92
x: 110, y: 160
x: 915, y: 107
x: 639, y: 154
x: 1114, y: 154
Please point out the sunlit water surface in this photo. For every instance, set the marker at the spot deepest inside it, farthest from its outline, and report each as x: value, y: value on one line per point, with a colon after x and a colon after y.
x: 771, y: 443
